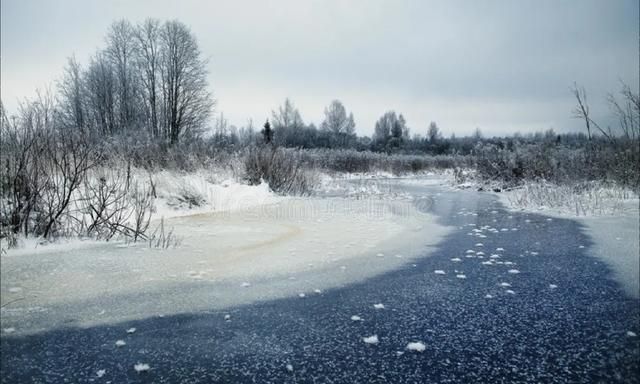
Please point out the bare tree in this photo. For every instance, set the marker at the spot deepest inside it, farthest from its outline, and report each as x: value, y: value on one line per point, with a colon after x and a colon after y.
x: 627, y: 111
x: 187, y: 103
x: 287, y: 123
x: 336, y: 122
x: 71, y: 96
x: 121, y: 50
x: 148, y: 40
x: 100, y: 93
x: 581, y: 111
x: 287, y: 116
x: 68, y: 158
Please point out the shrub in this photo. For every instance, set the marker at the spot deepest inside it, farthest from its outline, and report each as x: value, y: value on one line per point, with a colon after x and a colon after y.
x: 283, y: 169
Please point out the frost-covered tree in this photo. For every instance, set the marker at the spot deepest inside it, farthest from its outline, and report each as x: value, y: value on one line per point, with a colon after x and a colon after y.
x: 121, y: 51
x: 287, y: 124
x: 147, y: 38
x: 339, y: 126
x: 100, y: 94
x: 187, y: 102
x: 390, y: 131
x: 433, y: 133
x: 71, y: 96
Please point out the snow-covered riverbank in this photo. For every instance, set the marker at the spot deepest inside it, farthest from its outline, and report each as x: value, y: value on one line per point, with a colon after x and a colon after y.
x: 615, y: 235
x: 293, y: 247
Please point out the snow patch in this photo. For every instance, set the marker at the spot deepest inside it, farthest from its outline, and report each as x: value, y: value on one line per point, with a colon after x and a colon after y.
x: 416, y: 346
x: 141, y: 367
x: 371, y: 339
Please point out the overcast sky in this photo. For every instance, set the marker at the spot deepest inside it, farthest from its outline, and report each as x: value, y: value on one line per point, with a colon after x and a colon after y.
x: 503, y: 66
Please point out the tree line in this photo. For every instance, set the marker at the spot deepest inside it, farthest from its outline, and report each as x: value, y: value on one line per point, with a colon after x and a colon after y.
x: 150, y: 78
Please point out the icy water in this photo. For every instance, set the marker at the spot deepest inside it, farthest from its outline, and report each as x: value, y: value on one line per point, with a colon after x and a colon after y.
x: 516, y: 298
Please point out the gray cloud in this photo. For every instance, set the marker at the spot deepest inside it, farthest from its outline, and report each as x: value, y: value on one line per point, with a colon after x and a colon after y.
x: 500, y: 65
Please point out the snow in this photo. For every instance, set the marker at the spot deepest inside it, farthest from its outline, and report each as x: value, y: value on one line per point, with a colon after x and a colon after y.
x: 604, y: 229
x: 245, y: 285
x: 552, y: 286
x: 101, y: 372
x: 224, y: 250
x: 32, y: 246
x: 488, y: 296
x: 505, y: 284
x: 8, y: 330
x: 500, y: 249
x: 461, y: 276
x: 302, y: 295
x: 227, y: 317
x: 510, y: 292
x: 131, y: 330
x: 620, y: 256
x: 219, y: 196
x: 439, y: 272
x: 289, y: 367
x: 378, y: 306
x: 416, y: 346
x: 371, y: 339
x: 120, y: 343
x: 456, y: 259
x: 356, y: 318
x: 631, y: 334
x: 141, y: 367
x: 514, y: 271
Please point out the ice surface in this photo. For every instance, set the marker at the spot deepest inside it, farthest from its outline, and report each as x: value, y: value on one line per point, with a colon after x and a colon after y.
x: 220, y: 252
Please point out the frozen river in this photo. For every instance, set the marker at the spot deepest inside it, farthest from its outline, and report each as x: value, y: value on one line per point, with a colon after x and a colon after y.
x: 290, y: 293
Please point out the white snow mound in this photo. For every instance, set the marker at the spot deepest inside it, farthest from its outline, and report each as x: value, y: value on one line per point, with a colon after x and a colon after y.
x: 416, y: 346
x: 371, y: 339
